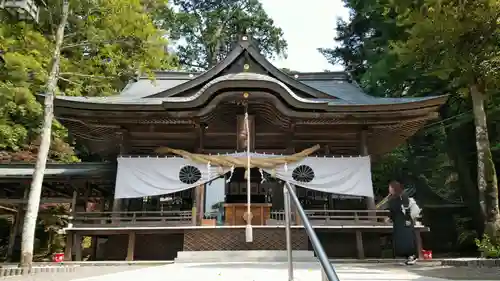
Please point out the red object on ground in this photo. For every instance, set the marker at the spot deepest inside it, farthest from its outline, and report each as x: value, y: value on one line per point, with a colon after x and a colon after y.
x: 58, y: 257
x: 427, y: 254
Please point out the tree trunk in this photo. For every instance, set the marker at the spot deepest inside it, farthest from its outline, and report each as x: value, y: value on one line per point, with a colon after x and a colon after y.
x: 28, y: 237
x: 468, y: 189
x: 486, y: 174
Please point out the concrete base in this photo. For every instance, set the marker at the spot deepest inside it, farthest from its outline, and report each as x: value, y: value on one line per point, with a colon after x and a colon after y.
x: 242, y: 256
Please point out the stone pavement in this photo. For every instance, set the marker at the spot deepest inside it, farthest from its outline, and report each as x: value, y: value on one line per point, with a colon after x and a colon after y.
x: 242, y: 272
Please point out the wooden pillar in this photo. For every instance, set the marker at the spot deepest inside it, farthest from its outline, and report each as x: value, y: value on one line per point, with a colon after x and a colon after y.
x: 200, y: 135
x: 199, y: 201
x: 14, y: 230
x: 102, y: 206
x: 124, y: 148
x: 418, y: 243
x: 68, y: 250
x: 131, y: 246
x: 73, y: 202
x: 298, y: 221
x: 17, y: 225
x: 370, y: 201
x: 78, y: 246
x: 360, y: 249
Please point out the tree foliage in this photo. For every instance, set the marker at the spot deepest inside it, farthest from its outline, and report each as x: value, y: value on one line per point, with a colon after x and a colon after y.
x: 106, y: 44
x: 432, y: 47
x: 457, y: 41
x: 209, y: 29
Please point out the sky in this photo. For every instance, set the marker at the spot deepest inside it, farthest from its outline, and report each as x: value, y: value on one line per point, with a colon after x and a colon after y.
x: 307, y: 25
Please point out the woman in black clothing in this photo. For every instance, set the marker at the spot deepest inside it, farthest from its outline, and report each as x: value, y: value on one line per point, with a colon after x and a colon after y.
x: 402, y: 223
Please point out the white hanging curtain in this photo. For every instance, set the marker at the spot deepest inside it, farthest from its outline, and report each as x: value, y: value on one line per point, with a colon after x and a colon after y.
x: 141, y: 177
x: 345, y: 176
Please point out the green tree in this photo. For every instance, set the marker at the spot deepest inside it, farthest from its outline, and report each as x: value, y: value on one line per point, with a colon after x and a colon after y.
x: 93, y: 50
x: 29, y: 226
x: 366, y: 51
x: 106, y: 43
x: 457, y: 41
x: 208, y: 30
x: 54, y: 218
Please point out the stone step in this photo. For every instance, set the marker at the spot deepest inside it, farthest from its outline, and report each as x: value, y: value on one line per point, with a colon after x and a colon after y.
x: 242, y: 256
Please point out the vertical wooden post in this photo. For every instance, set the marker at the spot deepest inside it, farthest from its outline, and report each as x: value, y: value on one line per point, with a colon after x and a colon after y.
x: 17, y: 224
x: 131, y: 246
x: 370, y: 201
x: 14, y: 230
x: 124, y: 148
x: 73, y: 202
x: 298, y: 221
x: 69, y: 246
x: 194, y: 215
x: 78, y: 246
x: 200, y: 210
x: 418, y: 242
x: 359, y: 240
x: 197, y: 208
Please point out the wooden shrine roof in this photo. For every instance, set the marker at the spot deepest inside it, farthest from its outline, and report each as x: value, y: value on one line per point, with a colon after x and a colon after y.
x: 310, y: 108
x: 334, y: 89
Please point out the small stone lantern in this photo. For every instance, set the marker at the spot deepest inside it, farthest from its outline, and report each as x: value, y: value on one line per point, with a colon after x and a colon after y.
x: 24, y: 9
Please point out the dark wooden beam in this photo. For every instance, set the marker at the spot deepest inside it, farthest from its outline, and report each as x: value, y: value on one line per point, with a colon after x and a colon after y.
x: 201, y: 136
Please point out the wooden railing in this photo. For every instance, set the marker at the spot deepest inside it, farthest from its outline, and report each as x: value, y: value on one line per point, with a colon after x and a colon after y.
x: 141, y: 218
x: 184, y: 218
x: 335, y: 217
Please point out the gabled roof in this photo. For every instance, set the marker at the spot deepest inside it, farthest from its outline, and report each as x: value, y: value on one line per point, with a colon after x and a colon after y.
x: 330, y: 88
x: 243, y: 47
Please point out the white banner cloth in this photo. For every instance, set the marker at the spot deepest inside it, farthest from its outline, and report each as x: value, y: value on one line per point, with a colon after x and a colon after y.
x: 139, y: 177
x: 346, y: 176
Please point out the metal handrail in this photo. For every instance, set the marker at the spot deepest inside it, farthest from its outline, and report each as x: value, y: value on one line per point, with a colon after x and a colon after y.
x: 327, y: 267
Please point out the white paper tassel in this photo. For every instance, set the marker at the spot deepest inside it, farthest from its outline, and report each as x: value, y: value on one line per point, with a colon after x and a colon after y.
x: 230, y: 175
x: 263, y: 179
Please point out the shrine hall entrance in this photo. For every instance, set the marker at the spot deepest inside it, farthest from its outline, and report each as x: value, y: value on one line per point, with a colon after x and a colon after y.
x: 266, y: 195
x: 262, y: 191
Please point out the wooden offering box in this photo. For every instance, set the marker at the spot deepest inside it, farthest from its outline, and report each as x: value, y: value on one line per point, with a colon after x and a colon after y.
x: 235, y: 212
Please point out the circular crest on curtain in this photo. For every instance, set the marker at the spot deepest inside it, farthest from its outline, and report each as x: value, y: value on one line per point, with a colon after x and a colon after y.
x: 189, y: 174
x: 303, y: 173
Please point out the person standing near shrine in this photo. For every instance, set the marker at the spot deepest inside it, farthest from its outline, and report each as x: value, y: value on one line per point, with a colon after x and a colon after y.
x: 402, y: 222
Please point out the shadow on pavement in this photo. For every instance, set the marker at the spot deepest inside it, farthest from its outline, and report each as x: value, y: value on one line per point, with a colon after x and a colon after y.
x: 427, y: 270
x: 455, y: 273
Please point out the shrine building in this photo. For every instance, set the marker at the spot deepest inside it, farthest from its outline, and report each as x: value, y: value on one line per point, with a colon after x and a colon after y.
x: 134, y: 209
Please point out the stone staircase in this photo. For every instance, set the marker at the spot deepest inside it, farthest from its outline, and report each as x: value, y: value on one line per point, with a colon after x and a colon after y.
x: 242, y: 256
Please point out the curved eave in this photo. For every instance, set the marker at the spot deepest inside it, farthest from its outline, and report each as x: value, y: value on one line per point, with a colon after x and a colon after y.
x: 159, y: 105
x: 231, y: 57
x: 437, y: 101
x: 93, y: 104
x: 235, y: 82
x: 387, y: 112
